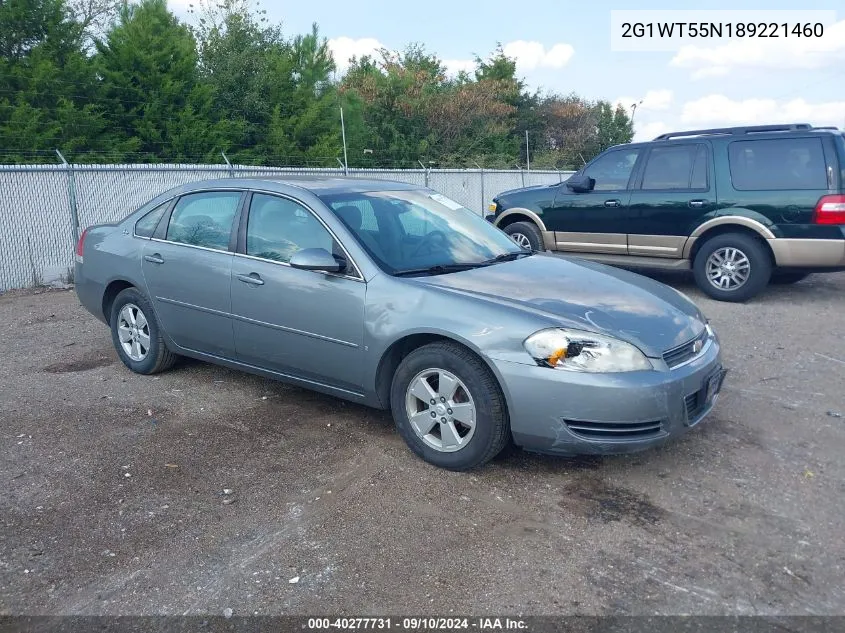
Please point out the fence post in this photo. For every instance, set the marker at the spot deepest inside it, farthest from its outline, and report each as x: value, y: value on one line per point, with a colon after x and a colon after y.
x: 425, y: 169
x: 231, y: 169
x: 522, y: 173
x: 71, y: 197
x: 483, y: 196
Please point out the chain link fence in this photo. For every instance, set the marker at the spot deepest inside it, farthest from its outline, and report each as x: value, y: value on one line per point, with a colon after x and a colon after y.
x: 44, y: 207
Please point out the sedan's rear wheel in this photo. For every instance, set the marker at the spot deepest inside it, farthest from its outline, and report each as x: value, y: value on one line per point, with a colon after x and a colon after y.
x: 448, y: 407
x: 137, y: 336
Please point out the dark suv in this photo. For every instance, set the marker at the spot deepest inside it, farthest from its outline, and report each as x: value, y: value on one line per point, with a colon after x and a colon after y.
x: 739, y: 206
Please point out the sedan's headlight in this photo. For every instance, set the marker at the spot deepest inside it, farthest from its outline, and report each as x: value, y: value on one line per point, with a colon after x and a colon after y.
x: 575, y: 350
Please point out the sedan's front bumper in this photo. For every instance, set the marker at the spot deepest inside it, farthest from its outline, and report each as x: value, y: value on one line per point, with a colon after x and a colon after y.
x: 570, y: 413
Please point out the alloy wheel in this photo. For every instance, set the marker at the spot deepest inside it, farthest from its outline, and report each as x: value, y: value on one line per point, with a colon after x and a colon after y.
x: 133, y: 331
x: 441, y: 410
x: 728, y: 268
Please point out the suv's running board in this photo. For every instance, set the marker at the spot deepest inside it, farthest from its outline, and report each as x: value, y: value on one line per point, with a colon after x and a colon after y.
x: 632, y: 261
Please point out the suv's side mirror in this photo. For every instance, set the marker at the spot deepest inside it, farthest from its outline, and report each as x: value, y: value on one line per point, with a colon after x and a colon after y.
x: 317, y: 259
x: 579, y: 183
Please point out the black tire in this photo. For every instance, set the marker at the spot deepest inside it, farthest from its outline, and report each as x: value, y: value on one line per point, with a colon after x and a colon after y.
x: 492, y: 428
x: 530, y: 231
x: 158, y: 357
x: 788, y: 278
x: 760, y: 266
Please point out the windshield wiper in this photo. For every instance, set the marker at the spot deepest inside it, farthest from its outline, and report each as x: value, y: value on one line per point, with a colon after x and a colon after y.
x: 440, y: 269
x: 507, y: 257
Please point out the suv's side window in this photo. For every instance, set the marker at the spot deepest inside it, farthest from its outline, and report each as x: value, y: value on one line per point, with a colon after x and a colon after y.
x: 779, y: 164
x: 675, y: 167
x: 612, y: 171
x: 204, y: 219
x: 279, y: 227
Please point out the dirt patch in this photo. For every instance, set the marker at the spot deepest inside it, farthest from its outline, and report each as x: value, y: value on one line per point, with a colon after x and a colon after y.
x: 601, y: 501
x: 86, y: 363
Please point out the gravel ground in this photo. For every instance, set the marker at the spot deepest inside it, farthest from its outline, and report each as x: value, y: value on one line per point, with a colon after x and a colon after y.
x: 113, y: 489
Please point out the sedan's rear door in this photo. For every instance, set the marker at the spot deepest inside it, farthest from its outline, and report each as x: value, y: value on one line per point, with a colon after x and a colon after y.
x: 187, y: 267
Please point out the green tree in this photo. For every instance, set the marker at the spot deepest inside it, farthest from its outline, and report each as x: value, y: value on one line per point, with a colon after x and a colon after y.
x: 151, y: 88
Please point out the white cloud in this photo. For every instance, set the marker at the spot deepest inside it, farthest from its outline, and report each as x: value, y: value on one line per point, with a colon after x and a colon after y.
x: 720, y: 110
x: 648, y: 131
x: 651, y: 100
x: 533, y: 55
x: 454, y: 66
x: 789, y: 52
x: 344, y: 48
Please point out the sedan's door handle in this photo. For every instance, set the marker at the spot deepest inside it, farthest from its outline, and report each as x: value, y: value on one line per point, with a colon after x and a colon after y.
x: 697, y: 204
x: 252, y: 278
x: 611, y: 203
x: 154, y: 259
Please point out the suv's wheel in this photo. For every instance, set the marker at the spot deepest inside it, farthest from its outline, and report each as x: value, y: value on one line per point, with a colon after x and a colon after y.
x: 448, y: 407
x: 788, y: 278
x: 526, y: 234
x: 137, y: 336
x: 732, y: 267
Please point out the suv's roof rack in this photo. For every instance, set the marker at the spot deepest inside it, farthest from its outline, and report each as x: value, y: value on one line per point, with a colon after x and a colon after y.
x: 747, y: 129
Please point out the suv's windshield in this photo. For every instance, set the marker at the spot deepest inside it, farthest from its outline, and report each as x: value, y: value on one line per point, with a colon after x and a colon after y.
x: 420, y: 231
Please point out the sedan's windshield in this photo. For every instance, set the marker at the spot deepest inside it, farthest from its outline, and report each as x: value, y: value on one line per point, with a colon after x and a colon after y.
x: 420, y: 230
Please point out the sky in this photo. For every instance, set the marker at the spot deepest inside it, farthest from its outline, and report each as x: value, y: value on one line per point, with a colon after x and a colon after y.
x: 566, y: 47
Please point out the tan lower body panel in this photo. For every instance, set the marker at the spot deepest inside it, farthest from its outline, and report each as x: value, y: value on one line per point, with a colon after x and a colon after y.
x: 591, y: 242
x: 810, y: 253
x: 634, y: 261
x: 656, y: 245
x: 549, y: 240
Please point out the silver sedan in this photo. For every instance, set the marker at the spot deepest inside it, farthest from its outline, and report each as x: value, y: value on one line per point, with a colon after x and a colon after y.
x: 397, y: 297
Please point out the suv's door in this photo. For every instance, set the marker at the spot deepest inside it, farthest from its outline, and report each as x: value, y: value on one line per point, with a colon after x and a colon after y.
x: 595, y: 221
x: 671, y: 193
x: 187, y: 267
x: 301, y: 323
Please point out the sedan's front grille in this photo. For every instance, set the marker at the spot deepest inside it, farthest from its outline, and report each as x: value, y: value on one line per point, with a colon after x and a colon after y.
x: 616, y: 431
x: 689, y: 350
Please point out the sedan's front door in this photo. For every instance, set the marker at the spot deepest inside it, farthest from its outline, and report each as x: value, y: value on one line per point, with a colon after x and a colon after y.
x: 301, y: 323
x: 596, y: 221
x: 187, y: 267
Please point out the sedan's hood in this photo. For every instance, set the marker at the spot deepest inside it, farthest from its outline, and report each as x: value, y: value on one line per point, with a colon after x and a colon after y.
x: 585, y: 295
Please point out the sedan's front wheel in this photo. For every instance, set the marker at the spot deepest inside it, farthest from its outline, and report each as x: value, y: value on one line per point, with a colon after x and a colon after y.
x: 137, y: 336
x: 448, y: 407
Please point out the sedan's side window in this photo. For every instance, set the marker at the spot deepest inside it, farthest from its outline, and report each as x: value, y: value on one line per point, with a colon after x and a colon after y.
x: 204, y: 219
x: 278, y: 227
x: 146, y: 226
x: 612, y: 171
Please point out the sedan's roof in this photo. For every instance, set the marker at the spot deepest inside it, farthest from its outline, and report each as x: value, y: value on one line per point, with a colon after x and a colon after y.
x: 318, y: 185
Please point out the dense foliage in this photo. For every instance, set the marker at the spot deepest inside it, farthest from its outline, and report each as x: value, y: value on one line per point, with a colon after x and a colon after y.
x: 103, y: 80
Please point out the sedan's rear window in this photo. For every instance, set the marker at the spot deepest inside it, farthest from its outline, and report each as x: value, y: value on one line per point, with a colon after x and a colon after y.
x: 204, y: 219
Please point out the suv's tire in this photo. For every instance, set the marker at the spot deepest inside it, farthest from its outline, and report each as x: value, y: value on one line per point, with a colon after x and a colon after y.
x: 137, y: 336
x: 732, y: 267
x: 449, y: 371
x: 526, y: 235
x: 788, y: 278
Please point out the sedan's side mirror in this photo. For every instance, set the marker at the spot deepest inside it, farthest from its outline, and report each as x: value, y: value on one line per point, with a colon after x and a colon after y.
x: 579, y: 183
x: 318, y: 259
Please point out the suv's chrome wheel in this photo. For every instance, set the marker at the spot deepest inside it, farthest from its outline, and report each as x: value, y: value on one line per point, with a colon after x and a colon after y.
x: 441, y: 410
x: 522, y: 240
x: 133, y: 331
x: 728, y: 268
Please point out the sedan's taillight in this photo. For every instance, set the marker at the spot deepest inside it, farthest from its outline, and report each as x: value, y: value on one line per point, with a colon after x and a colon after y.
x: 80, y: 246
x: 830, y: 210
